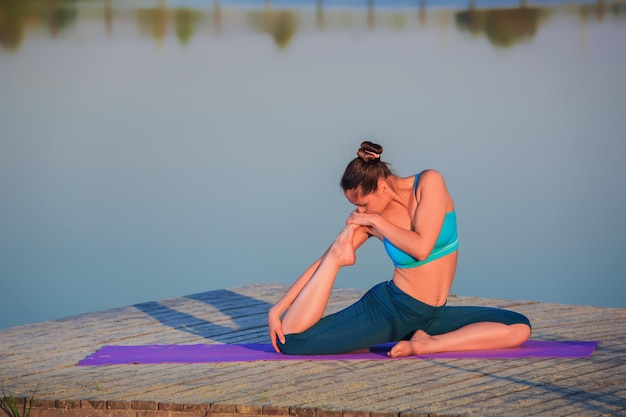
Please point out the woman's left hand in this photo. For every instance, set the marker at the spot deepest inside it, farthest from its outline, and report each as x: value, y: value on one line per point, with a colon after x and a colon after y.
x: 275, y: 327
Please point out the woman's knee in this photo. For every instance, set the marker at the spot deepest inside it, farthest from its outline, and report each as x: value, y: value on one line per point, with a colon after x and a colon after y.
x: 519, y: 333
x: 297, y: 345
x: 519, y: 328
x: 287, y: 348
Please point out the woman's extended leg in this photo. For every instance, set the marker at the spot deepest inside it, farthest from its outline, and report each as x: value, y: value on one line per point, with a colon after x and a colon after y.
x: 308, y: 308
x: 476, y: 336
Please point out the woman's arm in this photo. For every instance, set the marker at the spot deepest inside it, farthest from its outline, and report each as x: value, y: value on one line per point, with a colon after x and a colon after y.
x: 433, y: 201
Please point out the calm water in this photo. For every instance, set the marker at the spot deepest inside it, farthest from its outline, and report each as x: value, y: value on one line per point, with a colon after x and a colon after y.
x: 157, y: 149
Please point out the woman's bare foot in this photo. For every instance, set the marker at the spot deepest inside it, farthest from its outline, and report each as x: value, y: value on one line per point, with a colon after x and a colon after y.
x: 420, y: 343
x: 342, y: 248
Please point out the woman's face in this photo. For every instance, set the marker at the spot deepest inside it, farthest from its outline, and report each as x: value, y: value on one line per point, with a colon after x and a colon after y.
x: 372, y: 203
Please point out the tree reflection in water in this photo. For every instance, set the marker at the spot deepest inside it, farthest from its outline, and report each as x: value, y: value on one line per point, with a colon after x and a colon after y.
x: 12, y: 24
x: 503, y: 27
x: 153, y: 21
x: 18, y: 15
x: 185, y: 20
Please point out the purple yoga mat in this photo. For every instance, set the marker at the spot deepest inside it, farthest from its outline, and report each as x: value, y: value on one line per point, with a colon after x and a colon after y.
x: 151, y: 354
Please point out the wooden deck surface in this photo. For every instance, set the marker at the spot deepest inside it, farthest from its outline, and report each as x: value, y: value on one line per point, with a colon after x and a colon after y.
x: 45, y: 355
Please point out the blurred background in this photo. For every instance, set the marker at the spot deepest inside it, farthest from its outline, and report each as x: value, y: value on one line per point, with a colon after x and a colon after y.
x: 152, y: 149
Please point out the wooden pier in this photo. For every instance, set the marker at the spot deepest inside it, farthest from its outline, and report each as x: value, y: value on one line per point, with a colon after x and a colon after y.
x: 44, y: 356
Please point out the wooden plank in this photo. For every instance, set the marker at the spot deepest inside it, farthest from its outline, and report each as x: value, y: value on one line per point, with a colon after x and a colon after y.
x: 46, y: 354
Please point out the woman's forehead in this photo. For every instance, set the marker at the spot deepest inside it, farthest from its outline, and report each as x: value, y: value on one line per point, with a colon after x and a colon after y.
x: 355, y: 196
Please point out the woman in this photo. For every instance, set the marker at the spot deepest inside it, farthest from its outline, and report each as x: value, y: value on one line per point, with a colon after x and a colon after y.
x: 416, y: 221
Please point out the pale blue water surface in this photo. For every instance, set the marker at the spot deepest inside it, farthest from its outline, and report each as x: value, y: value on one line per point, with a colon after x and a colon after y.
x: 156, y: 149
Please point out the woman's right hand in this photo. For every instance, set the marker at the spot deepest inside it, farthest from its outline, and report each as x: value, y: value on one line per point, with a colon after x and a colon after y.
x: 275, y: 326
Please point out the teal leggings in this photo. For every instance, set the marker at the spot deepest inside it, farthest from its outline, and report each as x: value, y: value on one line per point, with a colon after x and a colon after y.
x: 387, y: 314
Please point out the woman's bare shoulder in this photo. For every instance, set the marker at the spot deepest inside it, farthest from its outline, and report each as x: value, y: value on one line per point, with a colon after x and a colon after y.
x: 431, y: 178
x: 430, y: 174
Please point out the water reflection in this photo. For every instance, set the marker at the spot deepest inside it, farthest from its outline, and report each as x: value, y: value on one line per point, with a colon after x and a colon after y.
x: 118, y: 160
x: 16, y: 17
x: 280, y: 24
x: 12, y: 25
x: 503, y: 27
x: 59, y: 18
x: 108, y: 17
x: 153, y: 22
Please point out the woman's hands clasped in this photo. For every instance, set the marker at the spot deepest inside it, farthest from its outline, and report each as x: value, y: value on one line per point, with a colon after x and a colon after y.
x: 363, y: 219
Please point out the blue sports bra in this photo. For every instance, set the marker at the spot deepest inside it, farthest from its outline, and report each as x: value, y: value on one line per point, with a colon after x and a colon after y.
x: 447, y: 242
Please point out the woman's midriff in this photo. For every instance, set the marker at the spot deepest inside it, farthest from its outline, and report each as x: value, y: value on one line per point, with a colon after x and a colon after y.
x: 429, y: 283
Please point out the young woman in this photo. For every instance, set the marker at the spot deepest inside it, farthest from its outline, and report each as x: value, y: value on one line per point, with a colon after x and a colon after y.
x: 415, y: 219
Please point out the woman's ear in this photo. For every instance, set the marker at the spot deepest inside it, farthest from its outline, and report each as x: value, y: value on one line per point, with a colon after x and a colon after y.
x: 383, y: 185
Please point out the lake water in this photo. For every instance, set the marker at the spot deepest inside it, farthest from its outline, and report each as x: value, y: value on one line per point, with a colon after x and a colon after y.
x: 157, y: 149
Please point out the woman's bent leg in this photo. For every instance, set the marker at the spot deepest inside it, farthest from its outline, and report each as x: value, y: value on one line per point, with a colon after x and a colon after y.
x: 370, y: 321
x: 308, y: 308
x: 467, y: 328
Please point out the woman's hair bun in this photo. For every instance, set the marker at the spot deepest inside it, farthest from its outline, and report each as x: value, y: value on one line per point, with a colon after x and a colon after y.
x: 370, y: 151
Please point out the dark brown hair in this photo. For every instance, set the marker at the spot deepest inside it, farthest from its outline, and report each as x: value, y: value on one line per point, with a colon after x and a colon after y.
x: 366, y: 169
